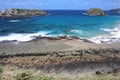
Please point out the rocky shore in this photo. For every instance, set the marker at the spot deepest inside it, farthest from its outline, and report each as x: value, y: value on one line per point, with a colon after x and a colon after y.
x: 61, y: 54
x: 18, y: 13
x: 101, y: 61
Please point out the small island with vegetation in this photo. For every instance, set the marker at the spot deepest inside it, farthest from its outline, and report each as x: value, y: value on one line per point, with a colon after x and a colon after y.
x: 15, y: 13
x: 115, y: 10
x: 95, y: 12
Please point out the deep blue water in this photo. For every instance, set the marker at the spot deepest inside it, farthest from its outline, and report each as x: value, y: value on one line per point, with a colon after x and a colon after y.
x: 60, y: 22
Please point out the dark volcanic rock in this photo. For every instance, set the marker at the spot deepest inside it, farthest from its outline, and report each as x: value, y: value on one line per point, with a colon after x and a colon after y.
x: 98, y: 72
x: 117, y: 70
x: 13, y: 13
x: 95, y: 12
x: 57, y: 38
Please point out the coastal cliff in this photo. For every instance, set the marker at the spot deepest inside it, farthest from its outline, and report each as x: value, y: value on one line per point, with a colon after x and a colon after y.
x: 95, y: 12
x: 13, y: 13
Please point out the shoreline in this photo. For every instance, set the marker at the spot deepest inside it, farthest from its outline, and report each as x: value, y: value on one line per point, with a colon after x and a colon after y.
x: 53, y: 44
x: 49, y: 38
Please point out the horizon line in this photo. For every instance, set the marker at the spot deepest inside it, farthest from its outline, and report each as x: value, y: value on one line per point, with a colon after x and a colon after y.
x: 57, y: 9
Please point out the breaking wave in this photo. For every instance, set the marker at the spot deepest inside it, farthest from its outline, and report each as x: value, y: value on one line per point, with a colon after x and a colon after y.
x: 113, y: 36
x: 76, y: 31
x: 14, y: 21
x: 22, y: 37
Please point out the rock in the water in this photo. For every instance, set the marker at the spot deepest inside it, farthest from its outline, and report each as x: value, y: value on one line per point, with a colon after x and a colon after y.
x: 95, y: 12
x: 13, y: 13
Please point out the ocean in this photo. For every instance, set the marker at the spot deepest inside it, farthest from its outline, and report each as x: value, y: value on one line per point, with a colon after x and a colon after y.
x: 62, y: 23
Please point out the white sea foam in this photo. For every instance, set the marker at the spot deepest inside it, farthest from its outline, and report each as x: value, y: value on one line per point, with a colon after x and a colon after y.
x: 76, y: 31
x: 22, y: 37
x: 84, y: 13
x: 105, y: 29
x: 14, y: 21
x: 114, y: 35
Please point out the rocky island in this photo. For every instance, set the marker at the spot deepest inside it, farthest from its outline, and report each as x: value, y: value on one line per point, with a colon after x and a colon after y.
x: 115, y: 10
x: 95, y: 12
x: 14, y: 13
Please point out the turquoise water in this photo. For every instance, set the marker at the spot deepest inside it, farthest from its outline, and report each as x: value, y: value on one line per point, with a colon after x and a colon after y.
x: 58, y: 23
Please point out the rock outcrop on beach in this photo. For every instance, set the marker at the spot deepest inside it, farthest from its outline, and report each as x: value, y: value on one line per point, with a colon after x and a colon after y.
x: 13, y: 13
x: 95, y: 12
x: 115, y: 10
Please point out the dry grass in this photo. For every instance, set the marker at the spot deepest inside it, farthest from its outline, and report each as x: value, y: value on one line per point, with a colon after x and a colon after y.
x: 34, y: 61
x: 13, y: 73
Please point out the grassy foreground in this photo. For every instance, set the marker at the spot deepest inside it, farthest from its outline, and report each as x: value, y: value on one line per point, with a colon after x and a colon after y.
x: 13, y: 73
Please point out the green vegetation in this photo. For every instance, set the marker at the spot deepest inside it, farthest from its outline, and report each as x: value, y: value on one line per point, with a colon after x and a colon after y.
x: 95, y: 12
x: 1, y: 70
x: 23, y: 76
x: 31, y: 74
x: 47, y: 78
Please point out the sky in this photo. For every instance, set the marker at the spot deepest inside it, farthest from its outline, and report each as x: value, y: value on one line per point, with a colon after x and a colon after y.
x: 60, y: 4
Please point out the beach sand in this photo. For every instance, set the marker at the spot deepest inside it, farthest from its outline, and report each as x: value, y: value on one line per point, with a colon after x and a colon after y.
x: 74, y: 56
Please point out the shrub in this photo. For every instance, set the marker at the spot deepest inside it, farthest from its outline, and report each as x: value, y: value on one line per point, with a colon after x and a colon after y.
x: 23, y: 76
x: 1, y: 70
x: 47, y: 78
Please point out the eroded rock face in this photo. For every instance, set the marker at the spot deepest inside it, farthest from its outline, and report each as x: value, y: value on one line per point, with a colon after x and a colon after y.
x: 13, y: 13
x: 95, y: 12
